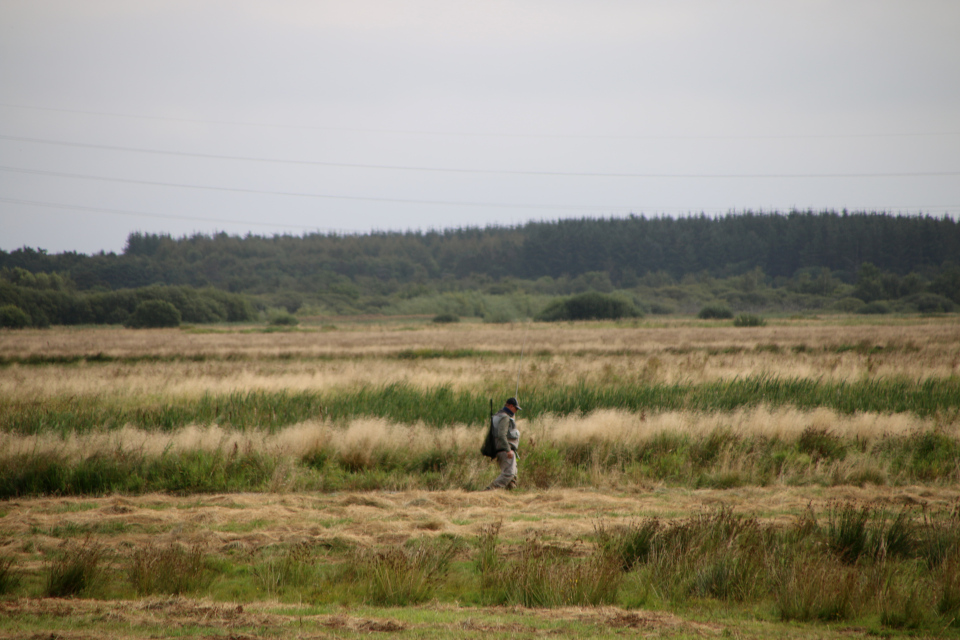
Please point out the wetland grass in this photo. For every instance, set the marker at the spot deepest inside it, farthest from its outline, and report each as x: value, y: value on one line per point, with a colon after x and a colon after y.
x: 443, y: 406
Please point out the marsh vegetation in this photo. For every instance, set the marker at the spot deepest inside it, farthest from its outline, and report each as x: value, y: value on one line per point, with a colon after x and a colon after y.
x: 802, y: 470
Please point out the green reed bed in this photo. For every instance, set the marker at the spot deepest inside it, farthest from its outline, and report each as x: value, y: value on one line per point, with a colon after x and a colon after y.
x: 719, y: 459
x: 441, y: 406
x: 884, y: 570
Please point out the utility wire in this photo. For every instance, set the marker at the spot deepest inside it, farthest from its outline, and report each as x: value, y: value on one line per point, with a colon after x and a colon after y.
x: 562, y: 174
x: 144, y: 214
x: 918, y: 134
x: 166, y: 216
x: 499, y: 205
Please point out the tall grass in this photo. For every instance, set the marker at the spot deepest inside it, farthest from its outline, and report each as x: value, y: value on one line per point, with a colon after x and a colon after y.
x: 846, y: 563
x: 442, y: 406
x: 610, y: 450
x: 401, y: 577
x: 9, y: 574
x: 180, y: 473
x: 170, y: 569
x: 293, y: 567
x: 76, y: 570
x: 539, y: 575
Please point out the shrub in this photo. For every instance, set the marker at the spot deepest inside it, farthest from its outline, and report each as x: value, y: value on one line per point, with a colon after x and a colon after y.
x: 749, y: 320
x: 848, y: 305
x: 13, y: 317
x: 874, y: 308
x: 153, y: 314
x: 588, y: 306
x: 661, y: 308
x: 932, y: 303
x: 444, y: 318
x: 715, y: 312
x: 283, y: 319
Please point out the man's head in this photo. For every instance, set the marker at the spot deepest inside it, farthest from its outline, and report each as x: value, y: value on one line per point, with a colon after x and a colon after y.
x: 511, y: 404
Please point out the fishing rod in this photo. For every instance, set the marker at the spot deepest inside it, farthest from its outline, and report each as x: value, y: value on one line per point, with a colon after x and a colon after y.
x: 516, y: 394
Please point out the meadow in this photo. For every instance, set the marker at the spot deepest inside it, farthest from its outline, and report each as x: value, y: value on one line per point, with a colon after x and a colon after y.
x: 678, y: 477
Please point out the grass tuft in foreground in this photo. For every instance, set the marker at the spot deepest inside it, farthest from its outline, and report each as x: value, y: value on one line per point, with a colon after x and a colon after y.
x: 170, y: 569
x: 76, y: 570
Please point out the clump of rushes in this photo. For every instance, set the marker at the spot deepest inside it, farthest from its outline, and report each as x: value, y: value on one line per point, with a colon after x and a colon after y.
x: 76, y: 570
x: 487, y: 557
x: 846, y: 532
x: 628, y: 545
x: 401, y: 577
x: 543, y: 576
x: 171, y: 569
x: 294, y: 567
x: 9, y: 576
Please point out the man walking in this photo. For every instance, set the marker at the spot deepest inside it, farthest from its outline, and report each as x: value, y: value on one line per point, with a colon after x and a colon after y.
x: 506, y: 438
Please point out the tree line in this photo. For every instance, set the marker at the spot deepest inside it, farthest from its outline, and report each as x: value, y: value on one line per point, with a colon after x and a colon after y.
x: 876, y: 256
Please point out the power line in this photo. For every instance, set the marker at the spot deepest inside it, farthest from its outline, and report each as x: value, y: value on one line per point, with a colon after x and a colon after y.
x: 556, y: 174
x: 167, y: 216
x: 917, y: 134
x: 498, y: 205
x: 144, y: 214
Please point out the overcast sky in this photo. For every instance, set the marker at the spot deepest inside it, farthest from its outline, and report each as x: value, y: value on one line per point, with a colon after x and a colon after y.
x: 359, y: 115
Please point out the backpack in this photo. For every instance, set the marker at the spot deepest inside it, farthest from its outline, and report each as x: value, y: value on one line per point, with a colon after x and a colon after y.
x: 489, y: 447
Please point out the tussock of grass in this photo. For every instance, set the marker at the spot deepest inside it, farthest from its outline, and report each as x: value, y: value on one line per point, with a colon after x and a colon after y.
x: 401, y: 577
x: 171, y: 569
x: 294, y: 567
x: 9, y: 575
x: 542, y: 576
x: 76, y: 570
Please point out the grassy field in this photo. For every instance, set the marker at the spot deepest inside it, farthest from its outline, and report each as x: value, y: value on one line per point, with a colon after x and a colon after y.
x: 678, y: 478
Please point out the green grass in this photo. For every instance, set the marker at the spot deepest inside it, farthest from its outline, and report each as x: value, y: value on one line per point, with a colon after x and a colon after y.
x: 715, y: 564
x: 171, y: 569
x: 76, y: 570
x: 816, y: 457
x: 442, y: 406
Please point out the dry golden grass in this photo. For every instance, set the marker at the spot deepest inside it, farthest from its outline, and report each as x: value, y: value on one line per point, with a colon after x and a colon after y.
x: 252, y: 521
x: 360, y: 438
x: 573, y: 338
x: 555, y: 355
